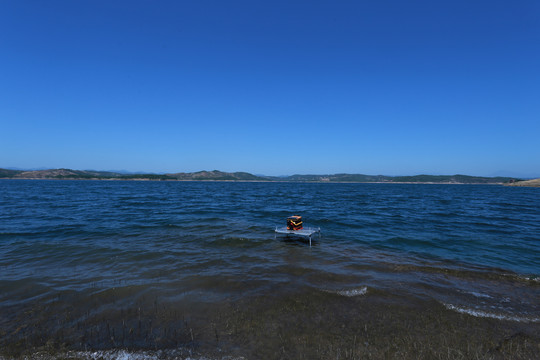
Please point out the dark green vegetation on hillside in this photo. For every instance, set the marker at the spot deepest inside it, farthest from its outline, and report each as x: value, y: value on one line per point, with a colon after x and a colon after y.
x: 216, y: 175
x: 449, y: 179
x: 5, y: 173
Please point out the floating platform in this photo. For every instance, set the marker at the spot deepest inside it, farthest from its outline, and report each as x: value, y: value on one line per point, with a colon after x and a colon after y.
x: 306, y: 232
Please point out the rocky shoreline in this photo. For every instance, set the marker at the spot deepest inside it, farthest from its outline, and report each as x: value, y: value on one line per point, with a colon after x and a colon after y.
x: 528, y: 183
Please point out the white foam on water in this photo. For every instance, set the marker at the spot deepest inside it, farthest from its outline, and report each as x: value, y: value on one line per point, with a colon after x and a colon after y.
x: 481, y: 313
x: 476, y: 294
x: 534, y: 278
x: 124, y: 355
x: 480, y: 295
x: 353, y: 292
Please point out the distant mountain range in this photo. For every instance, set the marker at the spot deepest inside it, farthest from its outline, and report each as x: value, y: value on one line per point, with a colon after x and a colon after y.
x: 66, y: 174
x: 244, y: 176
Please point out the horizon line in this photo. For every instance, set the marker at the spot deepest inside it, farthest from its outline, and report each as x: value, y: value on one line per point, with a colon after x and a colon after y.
x: 261, y: 175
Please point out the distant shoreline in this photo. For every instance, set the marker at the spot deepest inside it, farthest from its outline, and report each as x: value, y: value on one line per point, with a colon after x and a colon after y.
x: 526, y: 183
x: 220, y: 176
x: 262, y: 181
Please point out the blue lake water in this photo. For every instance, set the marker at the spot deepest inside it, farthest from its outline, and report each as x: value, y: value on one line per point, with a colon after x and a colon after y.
x: 473, y: 248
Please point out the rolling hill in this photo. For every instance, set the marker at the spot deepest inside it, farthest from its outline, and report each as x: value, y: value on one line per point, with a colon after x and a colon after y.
x: 215, y: 175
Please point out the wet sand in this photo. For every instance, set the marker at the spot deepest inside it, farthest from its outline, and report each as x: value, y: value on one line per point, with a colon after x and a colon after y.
x: 306, y: 324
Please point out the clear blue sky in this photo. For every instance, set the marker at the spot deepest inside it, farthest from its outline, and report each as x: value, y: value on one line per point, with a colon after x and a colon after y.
x: 272, y: 87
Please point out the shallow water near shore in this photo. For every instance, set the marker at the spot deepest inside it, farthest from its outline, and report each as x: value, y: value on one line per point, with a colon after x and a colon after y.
x: 193, y: 269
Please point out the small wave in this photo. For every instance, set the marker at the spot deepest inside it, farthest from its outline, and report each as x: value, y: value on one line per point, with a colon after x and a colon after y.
x: 419, y: 243
x: 118, y: 355
x: 126, y: 355
x: 234, y: 242
x: 534, y: 278
x: 353, y: 292
x: 350, y: 292
x: 477, y: 294
x: 485, y: 314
